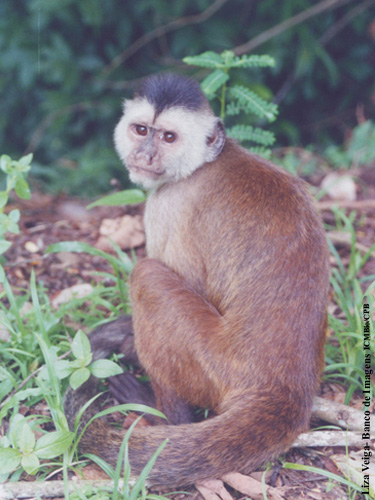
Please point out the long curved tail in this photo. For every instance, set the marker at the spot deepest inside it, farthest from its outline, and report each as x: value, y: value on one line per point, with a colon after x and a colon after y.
x: 255, y: 429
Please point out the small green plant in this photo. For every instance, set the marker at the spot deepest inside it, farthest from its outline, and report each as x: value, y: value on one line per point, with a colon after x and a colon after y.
x: 16, y: 172
x: 347, y: 361
x: 122, y: 264
x: 360, y: 149
x: 80, y: 369
x: 21, y: 448
x: 235, y: 99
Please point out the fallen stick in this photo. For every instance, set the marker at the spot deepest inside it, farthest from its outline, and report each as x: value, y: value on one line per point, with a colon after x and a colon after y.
x: 344, y: 416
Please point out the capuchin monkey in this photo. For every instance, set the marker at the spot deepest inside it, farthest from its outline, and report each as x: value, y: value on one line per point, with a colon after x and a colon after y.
x: 229, y: 307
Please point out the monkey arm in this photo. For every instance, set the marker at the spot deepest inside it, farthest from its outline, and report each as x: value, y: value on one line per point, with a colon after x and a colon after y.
x: 165, y: 307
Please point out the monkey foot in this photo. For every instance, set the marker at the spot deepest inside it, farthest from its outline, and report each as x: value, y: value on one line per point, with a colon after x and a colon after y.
x: 127, y: 389
x: 214, y: 489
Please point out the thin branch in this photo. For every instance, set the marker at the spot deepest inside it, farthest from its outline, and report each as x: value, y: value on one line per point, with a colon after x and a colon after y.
x: 345, y: 20
x: 355, y: 205
x: 287, y: 24
x: 346, y: 417
x: 162, y: 30
x: 51, y: 489
x: 319, y: 439
x: 323, y: 40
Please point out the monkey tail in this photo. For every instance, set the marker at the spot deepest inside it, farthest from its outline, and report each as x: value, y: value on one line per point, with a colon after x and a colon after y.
x: 252, y: 431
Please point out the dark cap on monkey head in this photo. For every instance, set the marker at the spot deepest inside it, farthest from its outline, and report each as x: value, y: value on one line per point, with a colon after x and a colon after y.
x: 167, y: 90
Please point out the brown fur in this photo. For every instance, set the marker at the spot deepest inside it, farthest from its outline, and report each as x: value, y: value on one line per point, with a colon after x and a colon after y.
x: 229, y: 313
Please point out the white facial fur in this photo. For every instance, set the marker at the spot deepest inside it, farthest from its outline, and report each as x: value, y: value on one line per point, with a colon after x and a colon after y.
x: 174, y: 161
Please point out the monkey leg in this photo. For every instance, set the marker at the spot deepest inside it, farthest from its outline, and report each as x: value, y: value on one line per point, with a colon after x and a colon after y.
x: 126, y: 388
x: 116, y: 336
x: 175, y: 330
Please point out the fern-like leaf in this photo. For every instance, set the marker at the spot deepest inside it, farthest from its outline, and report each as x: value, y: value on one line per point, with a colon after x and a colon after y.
x: 249, y: 102
x: 260, y: 151
x: 208, y: 59
x: 253, y: 61
x: 213, y: 82
x: 249, y: 133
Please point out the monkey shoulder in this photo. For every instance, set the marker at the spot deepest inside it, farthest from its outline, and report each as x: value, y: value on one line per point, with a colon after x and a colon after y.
x: 246, y: 185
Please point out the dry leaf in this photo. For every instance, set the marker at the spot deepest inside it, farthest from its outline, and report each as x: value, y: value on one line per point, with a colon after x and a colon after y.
x: 74, y: 292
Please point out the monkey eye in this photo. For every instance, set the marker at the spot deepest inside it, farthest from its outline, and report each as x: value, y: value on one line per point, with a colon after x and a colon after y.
x: 169, y: 137
x: 141, y: 129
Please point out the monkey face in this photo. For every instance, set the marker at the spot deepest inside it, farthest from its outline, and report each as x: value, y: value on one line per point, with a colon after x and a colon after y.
x: 166, y: 147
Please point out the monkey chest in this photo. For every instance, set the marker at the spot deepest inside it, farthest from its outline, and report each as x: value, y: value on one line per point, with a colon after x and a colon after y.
x: 170, y: 237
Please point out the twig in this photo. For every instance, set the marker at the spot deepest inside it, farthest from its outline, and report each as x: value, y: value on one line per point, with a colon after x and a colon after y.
x: 323, y: 40
x: 345, y: 239
x: 356, y: 204
x: 319, y: 439
x: 345, y: 20
x: 287, y: 24
x: 162, y: 30
x: 339, y: 414
x: 49, y: 489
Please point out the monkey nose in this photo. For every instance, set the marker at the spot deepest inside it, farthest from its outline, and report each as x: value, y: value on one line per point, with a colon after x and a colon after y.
x: 150, y: 156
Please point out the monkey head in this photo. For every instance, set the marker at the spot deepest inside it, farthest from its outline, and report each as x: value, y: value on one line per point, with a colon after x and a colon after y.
x: 167, y: 131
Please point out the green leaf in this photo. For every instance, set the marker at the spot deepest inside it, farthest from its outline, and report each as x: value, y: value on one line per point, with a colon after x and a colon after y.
x: 214, y: 81
x: 76, y: 246
x: 261, y: 151
x: 81, y: 345
x: 249, y: 133
x: 30, y: 463
x: 25, y: 161
x: 79, y: 377
x: 10, y: 459
x: 3, y: 199
x: 253, y: 61
x: 53, y: 444
x: 63, y: 368
x: 4, y: 245
x: 14, y: 215
x: 6, y: 163
x: 249, y: 102
x: 25, y: 438
x: 103, y: 368
x: 126, y: 197
x: 139, y: 484
x: 208, y: 59
x: 22, y: 188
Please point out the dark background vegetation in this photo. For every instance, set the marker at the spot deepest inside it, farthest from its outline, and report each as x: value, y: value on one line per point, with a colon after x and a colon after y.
x: 66, y: 65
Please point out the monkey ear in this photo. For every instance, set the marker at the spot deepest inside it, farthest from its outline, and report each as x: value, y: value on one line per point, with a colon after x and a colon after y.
x: 216, y: 141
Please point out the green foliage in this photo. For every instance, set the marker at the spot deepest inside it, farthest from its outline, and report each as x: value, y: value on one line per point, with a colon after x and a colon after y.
x: 360, y: 149
x: 16, y: 172
x: 241, y: 99
x: 21, y: 448
x: 351, y: 485
x: 63, y: 82
x: 346, y: 362
x: 80, y: 369
x: 126, y: 197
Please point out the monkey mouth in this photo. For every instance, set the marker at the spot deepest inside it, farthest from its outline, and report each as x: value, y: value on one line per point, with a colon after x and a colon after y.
x: 154, y: 174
